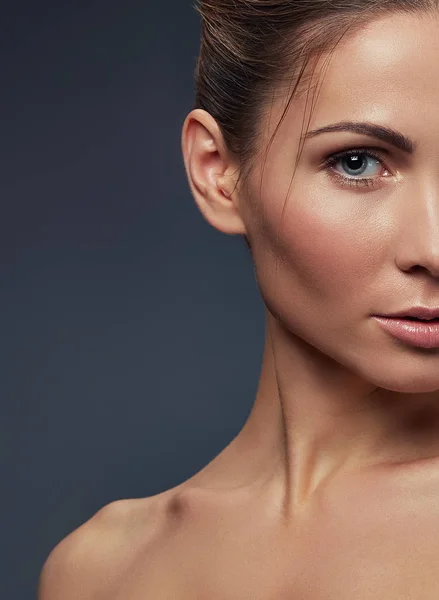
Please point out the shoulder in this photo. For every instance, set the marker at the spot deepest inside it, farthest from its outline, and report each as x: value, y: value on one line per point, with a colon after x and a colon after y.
x: 91, y: 560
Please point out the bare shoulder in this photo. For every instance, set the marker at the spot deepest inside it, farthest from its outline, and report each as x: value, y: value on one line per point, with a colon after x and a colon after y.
x: 91, y: 561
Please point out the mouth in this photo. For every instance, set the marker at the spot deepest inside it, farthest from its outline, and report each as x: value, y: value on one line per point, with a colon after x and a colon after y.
x: 412, y: 330
x: 416, y: 319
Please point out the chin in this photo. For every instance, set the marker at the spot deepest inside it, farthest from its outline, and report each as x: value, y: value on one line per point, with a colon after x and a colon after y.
x: 411, y: 381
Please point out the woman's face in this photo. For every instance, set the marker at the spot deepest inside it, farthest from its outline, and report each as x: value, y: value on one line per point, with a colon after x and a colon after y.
x: 347, y: 249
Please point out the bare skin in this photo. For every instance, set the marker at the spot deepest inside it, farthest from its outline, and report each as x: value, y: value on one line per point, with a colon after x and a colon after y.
x: 331, y: 489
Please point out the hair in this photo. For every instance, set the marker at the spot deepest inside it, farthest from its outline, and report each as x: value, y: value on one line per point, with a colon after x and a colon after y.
x: 251, y: 47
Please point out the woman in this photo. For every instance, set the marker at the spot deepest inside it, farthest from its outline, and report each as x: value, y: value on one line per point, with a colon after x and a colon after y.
x: 315, y: 136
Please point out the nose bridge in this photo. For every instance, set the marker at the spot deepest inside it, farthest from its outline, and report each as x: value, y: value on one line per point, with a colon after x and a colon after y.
x: 419, y: 242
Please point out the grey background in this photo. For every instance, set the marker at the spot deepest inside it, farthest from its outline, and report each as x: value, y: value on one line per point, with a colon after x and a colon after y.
x: 131, y: 331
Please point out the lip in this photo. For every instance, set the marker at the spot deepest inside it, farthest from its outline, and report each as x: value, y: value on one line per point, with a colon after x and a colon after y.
x: 416, y: 333
x: 419, y: 312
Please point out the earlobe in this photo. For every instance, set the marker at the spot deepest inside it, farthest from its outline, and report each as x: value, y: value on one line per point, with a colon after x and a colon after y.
x: 208, y: 167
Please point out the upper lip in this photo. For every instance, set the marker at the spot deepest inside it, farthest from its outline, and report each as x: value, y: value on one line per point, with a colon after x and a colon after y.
x: 419, y: 312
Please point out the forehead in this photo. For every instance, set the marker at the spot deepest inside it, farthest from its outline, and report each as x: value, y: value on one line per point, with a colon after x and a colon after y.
x: 391, y: 60
x: 387, y: 72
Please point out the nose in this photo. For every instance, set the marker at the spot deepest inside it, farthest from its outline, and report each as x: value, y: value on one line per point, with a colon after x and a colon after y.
x: 419, y: 234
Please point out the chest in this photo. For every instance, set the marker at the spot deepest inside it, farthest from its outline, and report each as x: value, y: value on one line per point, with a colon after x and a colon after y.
x: 360, y: 546
x: 377, y: 541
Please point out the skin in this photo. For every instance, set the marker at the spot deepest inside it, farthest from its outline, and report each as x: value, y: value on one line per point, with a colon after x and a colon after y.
x: 330, y: 489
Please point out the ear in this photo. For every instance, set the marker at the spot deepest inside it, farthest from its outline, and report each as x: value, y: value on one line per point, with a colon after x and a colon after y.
x: 211, y: 172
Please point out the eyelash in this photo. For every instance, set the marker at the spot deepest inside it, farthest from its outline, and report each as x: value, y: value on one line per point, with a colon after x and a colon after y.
x: 351, y: 181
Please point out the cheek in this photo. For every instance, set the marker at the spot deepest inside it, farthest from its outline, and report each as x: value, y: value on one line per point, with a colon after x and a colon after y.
x: 324, y: 252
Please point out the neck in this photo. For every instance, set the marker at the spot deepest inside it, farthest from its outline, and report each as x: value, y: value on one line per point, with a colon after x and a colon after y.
x: 312, y: 417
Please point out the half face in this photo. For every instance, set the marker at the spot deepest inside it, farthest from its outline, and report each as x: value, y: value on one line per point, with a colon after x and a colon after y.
x: 356, y: 232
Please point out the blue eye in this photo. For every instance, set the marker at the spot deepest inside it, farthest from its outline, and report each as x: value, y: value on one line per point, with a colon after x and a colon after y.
x: 360, y: 166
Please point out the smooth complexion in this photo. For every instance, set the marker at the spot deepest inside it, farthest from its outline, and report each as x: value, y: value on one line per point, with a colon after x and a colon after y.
x: 330, y: 490
x: 339, y: 390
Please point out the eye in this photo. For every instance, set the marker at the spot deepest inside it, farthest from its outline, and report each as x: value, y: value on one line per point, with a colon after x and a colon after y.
x: 359, y: 166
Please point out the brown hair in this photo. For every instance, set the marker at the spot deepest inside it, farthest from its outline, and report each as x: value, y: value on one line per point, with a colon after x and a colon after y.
x: 249, y: 47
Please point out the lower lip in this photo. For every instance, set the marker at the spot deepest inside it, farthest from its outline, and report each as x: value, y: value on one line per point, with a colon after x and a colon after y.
x: 421, y: 334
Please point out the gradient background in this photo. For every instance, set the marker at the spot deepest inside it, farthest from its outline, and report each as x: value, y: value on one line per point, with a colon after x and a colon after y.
x: 131, y: 331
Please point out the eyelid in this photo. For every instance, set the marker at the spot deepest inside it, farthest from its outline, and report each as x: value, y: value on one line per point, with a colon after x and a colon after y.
x: 370, y: 150
x: 345, y: 180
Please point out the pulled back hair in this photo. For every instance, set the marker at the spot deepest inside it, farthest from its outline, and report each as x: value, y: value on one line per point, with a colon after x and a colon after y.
x: 250, y: 47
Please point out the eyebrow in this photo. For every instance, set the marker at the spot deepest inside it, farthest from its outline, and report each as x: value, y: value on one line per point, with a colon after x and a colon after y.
x: 395, y: 138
